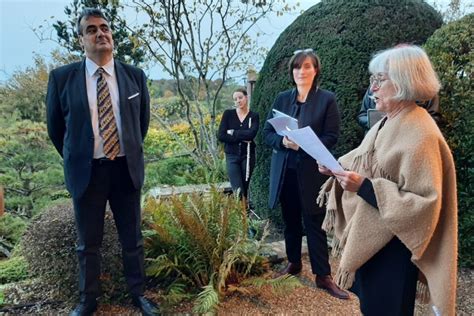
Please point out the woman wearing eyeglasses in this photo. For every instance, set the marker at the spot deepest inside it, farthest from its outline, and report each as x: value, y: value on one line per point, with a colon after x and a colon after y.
x: 294, y: 176
x: 237, y: 130
x: 394, y: 211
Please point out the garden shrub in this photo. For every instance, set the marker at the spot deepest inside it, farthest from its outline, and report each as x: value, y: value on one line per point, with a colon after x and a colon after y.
x: 11, y: 229
x: 48, y: 247
x: 345, y: 34
x: 198, y: 243
x: 30, y: 168
x: 13, y: 270
x: 451, y: 51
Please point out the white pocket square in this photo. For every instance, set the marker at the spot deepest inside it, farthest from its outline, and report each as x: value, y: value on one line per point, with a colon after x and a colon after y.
x: 132, y: 96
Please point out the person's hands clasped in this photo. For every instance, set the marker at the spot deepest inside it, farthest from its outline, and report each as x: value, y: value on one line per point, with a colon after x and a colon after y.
x: 287, y: 143
x: 349, y: 180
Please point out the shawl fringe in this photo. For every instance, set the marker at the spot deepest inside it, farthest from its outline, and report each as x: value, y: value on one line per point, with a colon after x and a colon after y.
x: 323, y: 195
x: 344, y: 279
x: 422, y: 292
x: 329, y: 221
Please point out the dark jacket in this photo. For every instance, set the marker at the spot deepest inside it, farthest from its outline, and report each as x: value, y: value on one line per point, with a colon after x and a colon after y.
x: 70, y: 127
x: 321, y: 113
x: 235, y: 143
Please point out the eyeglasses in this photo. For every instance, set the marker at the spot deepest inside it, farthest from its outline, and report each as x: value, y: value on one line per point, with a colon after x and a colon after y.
x: 377, y: 80
x: 307, y: 50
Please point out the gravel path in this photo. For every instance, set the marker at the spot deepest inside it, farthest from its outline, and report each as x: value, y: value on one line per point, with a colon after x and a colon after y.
x: 306, y: 300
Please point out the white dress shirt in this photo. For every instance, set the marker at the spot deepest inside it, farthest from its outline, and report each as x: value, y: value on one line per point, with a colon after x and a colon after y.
x: 91, y: 83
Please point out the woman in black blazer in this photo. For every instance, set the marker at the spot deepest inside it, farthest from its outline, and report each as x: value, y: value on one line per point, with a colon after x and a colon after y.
x: 237, y: 130
x: 294, y: 176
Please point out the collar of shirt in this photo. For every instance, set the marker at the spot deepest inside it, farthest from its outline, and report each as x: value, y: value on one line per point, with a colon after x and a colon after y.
x: 92, y: 67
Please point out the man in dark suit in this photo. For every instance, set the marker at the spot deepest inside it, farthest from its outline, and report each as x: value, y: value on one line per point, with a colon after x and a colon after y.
x: 98, y: 115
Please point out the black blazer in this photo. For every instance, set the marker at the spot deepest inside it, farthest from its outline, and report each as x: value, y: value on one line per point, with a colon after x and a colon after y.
x: 242, y: 131
x: 70, y: 128
x: 321, y: 113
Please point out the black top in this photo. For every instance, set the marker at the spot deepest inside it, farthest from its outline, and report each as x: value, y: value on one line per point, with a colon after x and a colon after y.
x: 366, y: 190
x: 242, y: 131
x: 321, y: 114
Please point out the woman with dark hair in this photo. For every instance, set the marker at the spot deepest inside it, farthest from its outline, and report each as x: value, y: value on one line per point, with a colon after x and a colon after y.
x: 237, y: 130
x: 294, y: 176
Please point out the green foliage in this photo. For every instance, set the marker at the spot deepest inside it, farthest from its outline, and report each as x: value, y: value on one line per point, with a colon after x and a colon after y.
x: 175, y: 171
x: 11, y: 229
x: 126, y: 47
x: 13, y: 270
x: 200, y: 242
x: 280, y: 285
x: 169, y: 163
x: 48, y: 247
x: 451, y: 51
x: 30, y: 168
x: 344, y: 34
x: 22, y: 96
x: 200, y: 44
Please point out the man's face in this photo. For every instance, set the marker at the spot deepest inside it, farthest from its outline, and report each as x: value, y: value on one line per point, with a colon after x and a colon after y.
x: 96, y: 37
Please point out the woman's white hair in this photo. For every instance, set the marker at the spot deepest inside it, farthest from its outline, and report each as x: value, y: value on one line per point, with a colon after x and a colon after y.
x: 410, y: 70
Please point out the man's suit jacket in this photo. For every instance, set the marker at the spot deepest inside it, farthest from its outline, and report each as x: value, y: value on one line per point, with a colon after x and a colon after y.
x: 70, y: 127
x: 321, y: 113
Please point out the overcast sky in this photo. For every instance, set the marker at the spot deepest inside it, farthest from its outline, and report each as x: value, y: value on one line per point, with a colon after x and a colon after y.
x: 18, y: 42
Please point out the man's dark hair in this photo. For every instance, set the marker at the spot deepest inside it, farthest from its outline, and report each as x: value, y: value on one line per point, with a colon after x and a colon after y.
x: 85, y: 14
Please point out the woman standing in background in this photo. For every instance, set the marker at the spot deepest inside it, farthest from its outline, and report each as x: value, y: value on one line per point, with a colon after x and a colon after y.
x: 237, y: 131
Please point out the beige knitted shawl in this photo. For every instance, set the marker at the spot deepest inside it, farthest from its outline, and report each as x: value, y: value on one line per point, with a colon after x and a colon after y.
x: 413, y: 175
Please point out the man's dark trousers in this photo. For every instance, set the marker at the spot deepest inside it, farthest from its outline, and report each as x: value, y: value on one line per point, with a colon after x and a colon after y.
x: 110, y: 181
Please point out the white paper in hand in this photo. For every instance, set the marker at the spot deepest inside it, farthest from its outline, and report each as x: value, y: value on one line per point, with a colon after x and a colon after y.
x: 282, y: 122
x: 311, y: 144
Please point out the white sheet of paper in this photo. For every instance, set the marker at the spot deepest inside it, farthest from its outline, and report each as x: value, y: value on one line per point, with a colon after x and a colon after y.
x: 310, y: 143
x: 282, y: 122
x: 277, y: 113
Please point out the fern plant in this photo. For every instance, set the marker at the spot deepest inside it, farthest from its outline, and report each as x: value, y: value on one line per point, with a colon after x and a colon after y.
x: 198, y: 245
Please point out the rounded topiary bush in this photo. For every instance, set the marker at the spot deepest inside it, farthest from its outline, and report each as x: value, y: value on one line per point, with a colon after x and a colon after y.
x: 451, y: 49
x: 49, y: 247
x: 345, y: 34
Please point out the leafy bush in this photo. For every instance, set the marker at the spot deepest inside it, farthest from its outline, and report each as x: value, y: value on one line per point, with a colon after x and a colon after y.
x: 30, y: 168
x: 451, y: 51
x: 199, y: 242
x: 175, y: 171
x: 344, y: 34
x: 168, y: 163
x: 13, y: 270
x: 11, y: 229
x: 48, y: 247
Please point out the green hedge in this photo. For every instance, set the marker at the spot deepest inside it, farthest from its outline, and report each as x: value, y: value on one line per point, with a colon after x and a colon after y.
x: 345, y: 34
x: 13, y: 270
x: 49, y: 244
x: 451, y: 51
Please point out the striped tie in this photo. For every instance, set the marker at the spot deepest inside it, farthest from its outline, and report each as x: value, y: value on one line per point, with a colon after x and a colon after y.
x: 107, y: 125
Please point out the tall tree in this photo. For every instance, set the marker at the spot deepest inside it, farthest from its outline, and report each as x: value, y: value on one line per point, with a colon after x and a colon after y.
x: 22, y: 96
x: 126, y: 48
x: 197, y: 43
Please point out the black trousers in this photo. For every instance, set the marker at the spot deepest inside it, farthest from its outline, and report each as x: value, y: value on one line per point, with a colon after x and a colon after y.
x: 386, y: 284
x: 236, y: 169
x: 110, y: 181
x: 293, y: 215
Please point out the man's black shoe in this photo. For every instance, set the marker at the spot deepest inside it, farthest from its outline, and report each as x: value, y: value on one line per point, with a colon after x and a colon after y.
x: 86, y: 308
x: 147, y: 307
